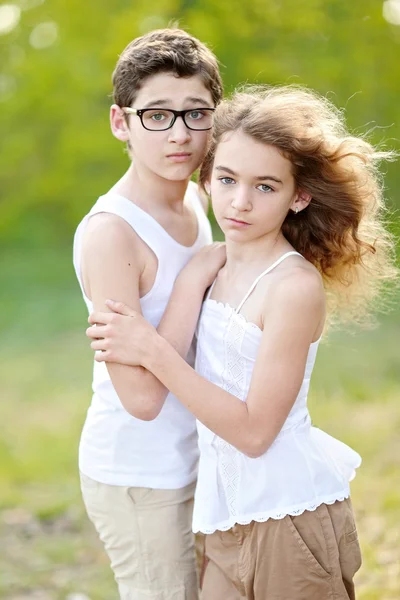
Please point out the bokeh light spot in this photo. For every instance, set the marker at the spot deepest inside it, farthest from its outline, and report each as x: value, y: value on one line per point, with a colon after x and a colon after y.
x: 9, y: 17
x: 391, y: 11
x: 44, y: 35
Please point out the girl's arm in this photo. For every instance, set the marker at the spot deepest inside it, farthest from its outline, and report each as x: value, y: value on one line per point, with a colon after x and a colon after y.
x: 293, y: 313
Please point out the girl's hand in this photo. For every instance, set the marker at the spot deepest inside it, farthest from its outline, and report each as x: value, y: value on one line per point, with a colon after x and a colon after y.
x: 202, y: 269
x: 122, y: 336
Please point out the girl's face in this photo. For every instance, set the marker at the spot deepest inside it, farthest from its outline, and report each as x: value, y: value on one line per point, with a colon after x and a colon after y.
x: 252, y: 187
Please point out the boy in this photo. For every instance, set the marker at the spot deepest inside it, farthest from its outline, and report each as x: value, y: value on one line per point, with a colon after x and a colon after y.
x: 138, y: 451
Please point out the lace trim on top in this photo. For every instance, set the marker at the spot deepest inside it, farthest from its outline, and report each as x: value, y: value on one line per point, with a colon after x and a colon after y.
x: 278, y: 515
x: 232, y: 381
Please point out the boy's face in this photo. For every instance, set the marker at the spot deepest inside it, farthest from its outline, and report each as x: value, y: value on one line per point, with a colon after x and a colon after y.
x: 175, y: 153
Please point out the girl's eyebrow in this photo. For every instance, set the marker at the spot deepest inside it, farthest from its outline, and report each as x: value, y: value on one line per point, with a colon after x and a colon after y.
x: 270, y: 177
x: 260, y: 178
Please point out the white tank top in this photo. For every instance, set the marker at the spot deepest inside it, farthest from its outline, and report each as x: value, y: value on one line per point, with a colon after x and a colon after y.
x: 115, y: 447
x: 303, y: 468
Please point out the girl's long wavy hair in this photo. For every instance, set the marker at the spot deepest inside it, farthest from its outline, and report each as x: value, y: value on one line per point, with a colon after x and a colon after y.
x: 342, y: 231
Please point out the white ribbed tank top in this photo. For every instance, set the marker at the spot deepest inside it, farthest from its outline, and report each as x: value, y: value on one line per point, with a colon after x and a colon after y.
x: 115, y: 447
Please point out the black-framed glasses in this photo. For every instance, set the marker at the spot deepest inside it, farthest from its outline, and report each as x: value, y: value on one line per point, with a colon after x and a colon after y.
x: 160, y: 119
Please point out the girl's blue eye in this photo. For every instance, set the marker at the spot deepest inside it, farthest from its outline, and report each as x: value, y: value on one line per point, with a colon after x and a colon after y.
x: 226, y: 180
x: 265, y: 188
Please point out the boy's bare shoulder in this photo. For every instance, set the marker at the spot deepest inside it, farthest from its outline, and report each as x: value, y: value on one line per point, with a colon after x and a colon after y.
x: 108, y: 233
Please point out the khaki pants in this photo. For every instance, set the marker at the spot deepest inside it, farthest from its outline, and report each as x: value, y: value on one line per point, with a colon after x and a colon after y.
x: 313, y: 556
x: 148, y: 538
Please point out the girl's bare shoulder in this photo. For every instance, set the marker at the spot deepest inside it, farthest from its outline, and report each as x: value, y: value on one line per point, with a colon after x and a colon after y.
x: 296, y: 280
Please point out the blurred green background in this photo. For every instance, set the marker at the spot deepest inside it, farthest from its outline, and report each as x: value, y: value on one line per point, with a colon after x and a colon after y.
x: 57, y: 156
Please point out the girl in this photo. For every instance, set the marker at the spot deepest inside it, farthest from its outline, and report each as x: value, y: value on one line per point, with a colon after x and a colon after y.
x: 299, y: 202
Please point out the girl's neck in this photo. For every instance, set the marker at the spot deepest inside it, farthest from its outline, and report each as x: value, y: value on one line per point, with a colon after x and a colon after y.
x: 255, y: 256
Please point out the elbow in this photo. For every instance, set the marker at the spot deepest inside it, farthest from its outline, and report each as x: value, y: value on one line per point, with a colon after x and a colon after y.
x: 256, y: 447
x: 145, y: 414
x: 145, y: 410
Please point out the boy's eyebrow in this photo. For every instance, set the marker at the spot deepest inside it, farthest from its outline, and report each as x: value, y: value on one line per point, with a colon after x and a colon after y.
x: 155, y: 103
x: 164, y: 102
x: 261, y: 178
x: 199, y: 100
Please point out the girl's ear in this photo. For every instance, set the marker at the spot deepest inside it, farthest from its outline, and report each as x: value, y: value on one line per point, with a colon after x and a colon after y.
x: 301, y: 201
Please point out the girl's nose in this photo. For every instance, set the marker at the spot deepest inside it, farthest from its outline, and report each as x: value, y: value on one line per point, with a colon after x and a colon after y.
x: 241, y: 199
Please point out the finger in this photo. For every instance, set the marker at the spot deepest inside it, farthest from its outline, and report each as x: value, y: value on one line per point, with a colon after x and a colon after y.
x: 120, y: 308
x: 96, y: 331
x: 98, y: 345
x: 99, y: 317
x: 100, y: 356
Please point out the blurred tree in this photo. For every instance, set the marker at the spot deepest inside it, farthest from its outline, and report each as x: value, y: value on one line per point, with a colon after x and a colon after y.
x: 55, y: 81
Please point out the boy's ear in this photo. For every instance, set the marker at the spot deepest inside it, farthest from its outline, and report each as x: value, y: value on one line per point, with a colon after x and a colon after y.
x: 119, y: 125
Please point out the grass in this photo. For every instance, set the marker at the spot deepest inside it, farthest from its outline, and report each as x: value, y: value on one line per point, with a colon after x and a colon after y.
x: 48, y: 550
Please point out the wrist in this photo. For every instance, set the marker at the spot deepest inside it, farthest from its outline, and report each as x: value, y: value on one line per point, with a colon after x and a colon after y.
x: 155, y: 349
x: 190, y: 281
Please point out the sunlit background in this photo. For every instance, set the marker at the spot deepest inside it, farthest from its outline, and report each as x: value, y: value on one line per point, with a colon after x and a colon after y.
x: 57, y: 156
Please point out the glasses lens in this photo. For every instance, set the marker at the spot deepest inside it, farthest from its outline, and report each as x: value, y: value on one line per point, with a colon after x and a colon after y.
x: 157, y: 119
x: 201, y: 118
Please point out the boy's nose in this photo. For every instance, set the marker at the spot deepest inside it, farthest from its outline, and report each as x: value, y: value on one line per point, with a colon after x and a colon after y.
x: 179, y: 133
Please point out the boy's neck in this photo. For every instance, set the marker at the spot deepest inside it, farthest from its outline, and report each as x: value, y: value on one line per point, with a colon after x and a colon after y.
x: 146, y: 189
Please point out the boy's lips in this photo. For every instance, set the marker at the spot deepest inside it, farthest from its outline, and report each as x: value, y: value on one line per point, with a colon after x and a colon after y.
x: 179, y: 156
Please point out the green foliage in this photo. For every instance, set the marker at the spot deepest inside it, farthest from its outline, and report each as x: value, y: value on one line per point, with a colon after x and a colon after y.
x: 58, y: 153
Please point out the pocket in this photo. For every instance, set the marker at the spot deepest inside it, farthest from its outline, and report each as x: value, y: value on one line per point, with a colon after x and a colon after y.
x: 304, y: 549
x: 140, y: 495
x: 349, y: 546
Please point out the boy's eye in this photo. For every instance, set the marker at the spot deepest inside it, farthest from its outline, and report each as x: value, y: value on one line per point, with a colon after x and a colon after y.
x: 265, y: 188
x: 157, y: 116
x: 226, y: 180
x: 195, y: 115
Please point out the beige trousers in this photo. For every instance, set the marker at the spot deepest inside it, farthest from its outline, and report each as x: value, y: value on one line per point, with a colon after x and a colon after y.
x: 313, y: 556
x: 148, y: 537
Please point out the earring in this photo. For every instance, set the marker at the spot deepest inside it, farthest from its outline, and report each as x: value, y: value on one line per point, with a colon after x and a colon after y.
x: 296, y: 210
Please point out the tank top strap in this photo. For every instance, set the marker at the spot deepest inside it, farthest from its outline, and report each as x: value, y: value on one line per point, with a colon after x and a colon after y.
x: 195, y: 200
x: 210, y: 289
x: 270, y: 268
x: 143, y: 224
x: 201, y: 213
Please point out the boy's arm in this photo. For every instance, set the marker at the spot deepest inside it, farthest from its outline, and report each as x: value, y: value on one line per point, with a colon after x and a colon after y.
x: 112, y: 265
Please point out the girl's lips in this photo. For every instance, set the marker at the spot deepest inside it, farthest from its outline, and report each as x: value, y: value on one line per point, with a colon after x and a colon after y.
x: 238, y: 223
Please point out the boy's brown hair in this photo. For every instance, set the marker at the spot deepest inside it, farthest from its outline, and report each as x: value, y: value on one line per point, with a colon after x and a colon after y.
x: 164, y: 51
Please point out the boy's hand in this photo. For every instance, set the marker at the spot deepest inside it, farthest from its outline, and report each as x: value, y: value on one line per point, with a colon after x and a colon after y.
x: 202, y: 269
x: 122, y: 336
